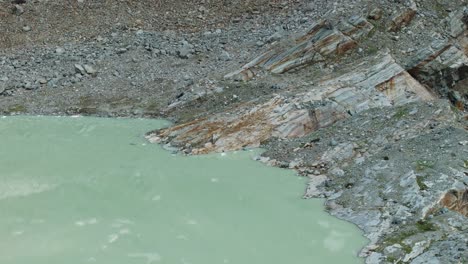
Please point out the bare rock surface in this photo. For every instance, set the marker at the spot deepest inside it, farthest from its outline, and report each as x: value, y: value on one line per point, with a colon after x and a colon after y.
x: 367, y: 99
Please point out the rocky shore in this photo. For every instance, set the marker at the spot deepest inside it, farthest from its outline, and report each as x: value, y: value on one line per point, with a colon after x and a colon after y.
x: 367, y: 100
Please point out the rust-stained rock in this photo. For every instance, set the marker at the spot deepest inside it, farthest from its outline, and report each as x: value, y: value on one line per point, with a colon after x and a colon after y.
x: 381, y: 82
x: 320, y: 41
x: 456, y: 200
x: 400, y: 88
x: 402, y: 19
x: 355, y: 27
x: 375, y: 14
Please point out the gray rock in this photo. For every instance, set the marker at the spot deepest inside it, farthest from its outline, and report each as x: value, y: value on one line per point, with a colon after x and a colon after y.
x: 89, y: 69
x: 121, y: 50
x: 456, y: 22
x: 2, y: 87
x: 59, y: 50
x: 18, y: 10
x: 375, y: 14
x: 225, y: 56
x: 275, y: 37
x: 185, y: 51
x: 79, y: 69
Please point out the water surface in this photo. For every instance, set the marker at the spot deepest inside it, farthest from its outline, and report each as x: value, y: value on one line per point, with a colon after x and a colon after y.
x: 90, y: 190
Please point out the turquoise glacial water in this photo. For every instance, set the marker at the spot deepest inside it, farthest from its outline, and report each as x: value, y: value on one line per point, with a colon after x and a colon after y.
x: 92, y: 190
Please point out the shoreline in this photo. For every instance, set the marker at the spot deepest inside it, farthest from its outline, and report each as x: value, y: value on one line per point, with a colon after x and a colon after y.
x: 367, y: 100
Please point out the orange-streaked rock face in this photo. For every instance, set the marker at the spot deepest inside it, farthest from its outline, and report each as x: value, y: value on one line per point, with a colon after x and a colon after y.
x: 456, y: 200
x: 320, y: 41
x: 368, y: 85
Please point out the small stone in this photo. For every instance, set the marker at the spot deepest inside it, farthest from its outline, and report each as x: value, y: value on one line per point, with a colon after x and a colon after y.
x: 375, y: 14
x: 121, y: 50
x: 59, y: 50
x: 139, y: 23
x: 3, y: 87
x: 89, y: 69
x: 225, y: 56
x: 184, y: 52
x: 275, y: 37
x: 79, y: 69
x: 18, y: 10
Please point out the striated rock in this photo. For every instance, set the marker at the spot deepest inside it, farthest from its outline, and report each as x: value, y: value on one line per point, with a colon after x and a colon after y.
x: 456, y: 200
x: 402, y: 19
x: 390, y: 191
x: 320, y: 41
x: 381, y: 82
x: 444, y: 68
x: 458, y: 22
x: 355, y: 27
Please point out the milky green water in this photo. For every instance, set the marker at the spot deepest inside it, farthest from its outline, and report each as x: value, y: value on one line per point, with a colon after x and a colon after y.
x: 89, y: 190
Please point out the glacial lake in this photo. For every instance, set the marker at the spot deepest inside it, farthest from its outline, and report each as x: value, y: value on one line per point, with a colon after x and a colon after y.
x: 92, y: 190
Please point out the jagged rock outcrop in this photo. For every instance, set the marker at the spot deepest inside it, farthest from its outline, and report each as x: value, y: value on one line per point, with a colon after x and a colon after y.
x: 380, y: 82
x: 322, y: 40
x: 443, y: 65
x: 376, y: 171
x: 371, y: 137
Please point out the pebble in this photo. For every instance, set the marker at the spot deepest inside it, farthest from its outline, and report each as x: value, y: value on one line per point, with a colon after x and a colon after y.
x: 18, y: 10
x: 79, y: 69
x: 89, y: 69
x: 225, y: 56
x: 59, y: 50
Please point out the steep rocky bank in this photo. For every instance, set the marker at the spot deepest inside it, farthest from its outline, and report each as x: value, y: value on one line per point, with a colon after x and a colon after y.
x: 369, y: 101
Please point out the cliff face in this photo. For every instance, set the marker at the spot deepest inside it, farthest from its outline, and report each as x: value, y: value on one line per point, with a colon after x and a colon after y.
x: 367, y: 99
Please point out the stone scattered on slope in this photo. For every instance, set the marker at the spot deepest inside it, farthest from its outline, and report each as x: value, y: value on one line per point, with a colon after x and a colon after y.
x: 320, y: 41
x: 367, y: 85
